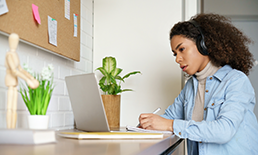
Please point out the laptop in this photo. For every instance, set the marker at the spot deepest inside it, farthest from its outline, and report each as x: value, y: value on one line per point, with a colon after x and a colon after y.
x: 86, y: 101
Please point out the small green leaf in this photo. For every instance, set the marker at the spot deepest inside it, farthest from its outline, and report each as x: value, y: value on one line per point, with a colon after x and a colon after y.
x: 119, y: 78
x: 118, y: 89
x: 113, y: 80
x: 116, y: 72
x: 108, y: 79
x: 111, y: 89
x: 109, y: 64
x: 102, y: 80
x: 102, y: 70
x: 103, y: 87
x: 132, y: 73
x: 126, y: 90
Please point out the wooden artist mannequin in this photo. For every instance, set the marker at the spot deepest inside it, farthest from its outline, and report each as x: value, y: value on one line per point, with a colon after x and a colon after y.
x: 14, y: 70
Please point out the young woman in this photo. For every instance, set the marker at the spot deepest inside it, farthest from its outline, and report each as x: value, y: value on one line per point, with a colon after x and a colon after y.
x: 214, y: 111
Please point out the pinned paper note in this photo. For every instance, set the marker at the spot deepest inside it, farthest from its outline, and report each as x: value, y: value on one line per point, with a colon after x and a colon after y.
x: 3, y: 7
x: 36, y: 13
x: 67, y: 9
x: 52, y: 31
x: 75, y: 25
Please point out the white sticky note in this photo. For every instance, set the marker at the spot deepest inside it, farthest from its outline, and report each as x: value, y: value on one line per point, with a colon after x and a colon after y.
x: 3, y: 7
x: 75, y: 25
x: 52, y: 31
x: 67, y: 9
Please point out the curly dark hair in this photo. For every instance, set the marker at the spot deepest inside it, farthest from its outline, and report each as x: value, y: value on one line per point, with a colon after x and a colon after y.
x: 225, y: 43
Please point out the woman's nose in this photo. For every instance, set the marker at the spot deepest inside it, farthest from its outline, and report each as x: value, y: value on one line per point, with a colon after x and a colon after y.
x: 178, y: 58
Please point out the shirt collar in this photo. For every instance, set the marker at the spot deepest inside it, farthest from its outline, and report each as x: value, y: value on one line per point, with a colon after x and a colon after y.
x: 209, y: 70
x: 222, y: 72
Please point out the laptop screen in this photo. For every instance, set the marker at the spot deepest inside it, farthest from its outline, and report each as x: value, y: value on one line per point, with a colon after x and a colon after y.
x: 85, y: 98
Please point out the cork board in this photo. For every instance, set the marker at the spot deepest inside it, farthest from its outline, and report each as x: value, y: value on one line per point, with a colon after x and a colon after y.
x: 20, y: 20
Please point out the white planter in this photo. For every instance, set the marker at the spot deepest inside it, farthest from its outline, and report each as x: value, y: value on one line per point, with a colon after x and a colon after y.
x: 38, y: 121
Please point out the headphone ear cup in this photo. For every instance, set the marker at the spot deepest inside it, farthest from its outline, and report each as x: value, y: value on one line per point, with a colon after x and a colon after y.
x: 201, y: 46
x: 198, y: 45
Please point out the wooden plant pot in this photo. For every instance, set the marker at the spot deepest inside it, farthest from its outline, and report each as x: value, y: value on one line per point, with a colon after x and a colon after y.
x: 112, y: 109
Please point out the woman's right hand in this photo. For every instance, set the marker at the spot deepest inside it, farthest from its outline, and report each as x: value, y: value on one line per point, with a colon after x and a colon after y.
x: 151, y: 121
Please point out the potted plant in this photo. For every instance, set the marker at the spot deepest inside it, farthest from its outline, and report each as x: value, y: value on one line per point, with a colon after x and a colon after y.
x: 37, y: 100
x: 110, y: 84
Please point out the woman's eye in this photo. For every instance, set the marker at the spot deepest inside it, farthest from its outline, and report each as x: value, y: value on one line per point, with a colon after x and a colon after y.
x: 174, y: 54
x: 181, y: 49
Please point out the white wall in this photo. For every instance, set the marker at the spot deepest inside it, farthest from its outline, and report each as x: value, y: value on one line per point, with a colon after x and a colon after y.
x: 137, y: 34
x: 61, y: 116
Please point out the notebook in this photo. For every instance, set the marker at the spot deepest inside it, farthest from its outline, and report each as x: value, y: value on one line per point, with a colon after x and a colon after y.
x: 136, y: 129
x: 111, y: 135
x: 86, y: 101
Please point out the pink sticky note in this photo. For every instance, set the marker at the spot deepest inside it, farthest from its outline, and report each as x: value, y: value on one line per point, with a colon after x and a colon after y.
x: 36, y: 13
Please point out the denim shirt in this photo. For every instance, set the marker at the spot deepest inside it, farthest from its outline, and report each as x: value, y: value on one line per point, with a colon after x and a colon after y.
x: 229, y: 126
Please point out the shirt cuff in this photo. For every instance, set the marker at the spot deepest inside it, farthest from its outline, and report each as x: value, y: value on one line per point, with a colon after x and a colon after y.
x: 179, y: 127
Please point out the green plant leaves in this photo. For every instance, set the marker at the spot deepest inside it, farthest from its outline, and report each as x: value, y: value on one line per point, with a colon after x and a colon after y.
x: 109, y: 64
x: 37, y: 100
x: 116, y: 72
x: 108, y: 83
x: 103, y: 71
x: 132, y: 73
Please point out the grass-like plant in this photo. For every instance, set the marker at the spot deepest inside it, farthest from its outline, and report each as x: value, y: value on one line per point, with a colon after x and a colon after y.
x: 110, y: 83
x: 37, y: 100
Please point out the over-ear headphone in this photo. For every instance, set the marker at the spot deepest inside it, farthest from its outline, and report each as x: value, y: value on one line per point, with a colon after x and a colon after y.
x: 200, y: 39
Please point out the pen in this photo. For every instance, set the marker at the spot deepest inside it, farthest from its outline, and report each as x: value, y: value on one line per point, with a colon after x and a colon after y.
x: 154, y: 112
x: 157, y: 110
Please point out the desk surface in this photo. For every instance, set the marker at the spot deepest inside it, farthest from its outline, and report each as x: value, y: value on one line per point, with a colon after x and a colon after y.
x: 65, y: 146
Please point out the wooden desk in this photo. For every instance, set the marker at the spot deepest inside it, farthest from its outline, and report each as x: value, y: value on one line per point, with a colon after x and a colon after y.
x: 65, y: 146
